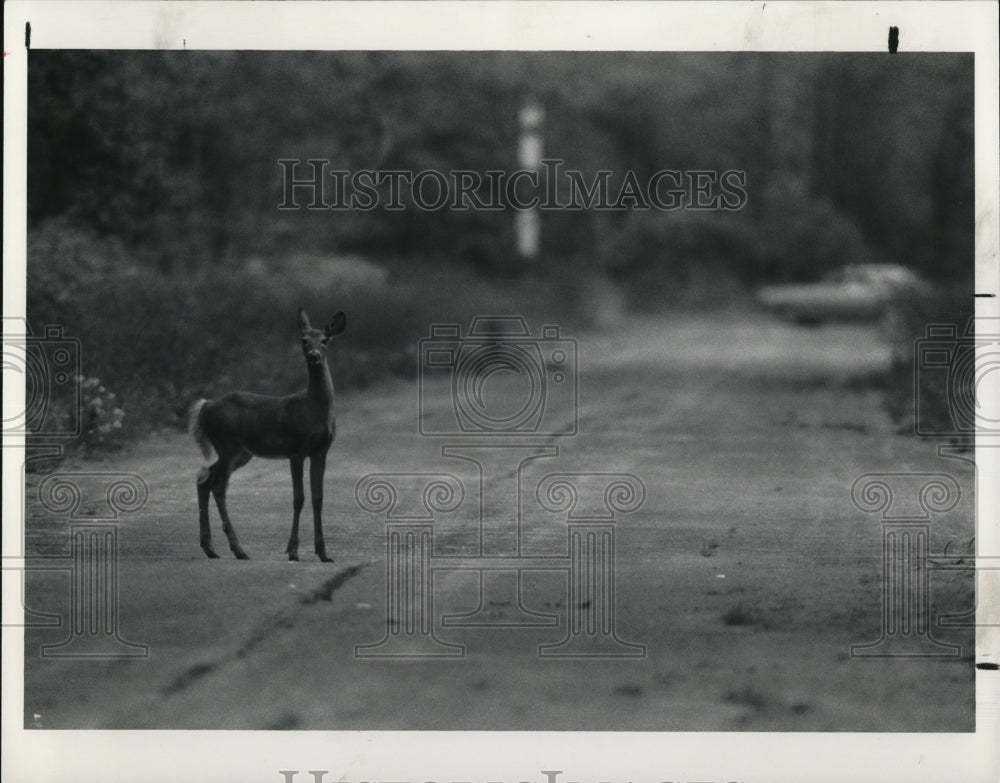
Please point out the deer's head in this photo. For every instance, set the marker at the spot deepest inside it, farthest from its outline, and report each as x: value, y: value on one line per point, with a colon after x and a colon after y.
x: 314, y: 341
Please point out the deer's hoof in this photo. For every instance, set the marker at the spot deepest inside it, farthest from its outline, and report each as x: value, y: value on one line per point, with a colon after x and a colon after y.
x: 210, y: 553
x: 293, y: 557
x: 324, y: 557
x: 241, y: 555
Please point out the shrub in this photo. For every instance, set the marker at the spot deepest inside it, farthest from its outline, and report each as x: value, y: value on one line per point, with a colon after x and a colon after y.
x: 102, y: 416
x: 697, y: 257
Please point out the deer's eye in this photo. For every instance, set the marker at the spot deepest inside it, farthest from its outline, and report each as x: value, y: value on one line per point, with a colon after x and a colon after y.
x: 323, y: 341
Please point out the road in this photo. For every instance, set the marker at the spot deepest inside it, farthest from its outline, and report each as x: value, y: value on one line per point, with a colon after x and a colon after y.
x: 744, y: 577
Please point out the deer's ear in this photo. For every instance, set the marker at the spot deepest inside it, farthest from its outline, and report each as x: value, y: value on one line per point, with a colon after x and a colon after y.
x: 303, y: 320
x: 336, y: 325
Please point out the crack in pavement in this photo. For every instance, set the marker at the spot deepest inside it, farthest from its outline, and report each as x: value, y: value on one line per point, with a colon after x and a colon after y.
x: 326, y: 590
x: 283, y: 620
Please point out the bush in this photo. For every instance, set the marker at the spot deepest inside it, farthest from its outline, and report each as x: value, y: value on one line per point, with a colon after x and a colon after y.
x: 801, y: 238
x: 677, y: 257
x: 102, y: 416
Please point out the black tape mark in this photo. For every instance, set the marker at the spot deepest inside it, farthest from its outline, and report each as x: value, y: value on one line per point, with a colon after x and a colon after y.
x: 893, y: 39
x: 984, y: 296
x: 988, y: 667
x: 27, y: 35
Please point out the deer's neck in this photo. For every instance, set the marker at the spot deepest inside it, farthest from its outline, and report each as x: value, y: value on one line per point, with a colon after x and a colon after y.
x: 320, y: 389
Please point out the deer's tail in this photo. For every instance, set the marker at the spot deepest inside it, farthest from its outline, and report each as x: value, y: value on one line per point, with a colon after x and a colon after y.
x: 194, y: 426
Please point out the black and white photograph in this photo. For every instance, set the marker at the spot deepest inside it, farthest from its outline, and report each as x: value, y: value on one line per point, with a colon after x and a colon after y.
x: 488, y: 391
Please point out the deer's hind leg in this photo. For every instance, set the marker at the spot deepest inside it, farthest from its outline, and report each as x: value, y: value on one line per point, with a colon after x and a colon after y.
x: 204, y: 490
x: 218, y: 480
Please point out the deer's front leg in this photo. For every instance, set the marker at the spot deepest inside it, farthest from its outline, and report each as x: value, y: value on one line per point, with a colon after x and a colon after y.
x: 298, y: 500
x: 317, y: 466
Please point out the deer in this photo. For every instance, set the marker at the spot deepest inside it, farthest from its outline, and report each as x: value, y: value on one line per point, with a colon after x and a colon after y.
x: 241, y: 425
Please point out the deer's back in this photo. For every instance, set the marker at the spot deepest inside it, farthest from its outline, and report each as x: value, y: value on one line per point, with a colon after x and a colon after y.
x: 268, y: 426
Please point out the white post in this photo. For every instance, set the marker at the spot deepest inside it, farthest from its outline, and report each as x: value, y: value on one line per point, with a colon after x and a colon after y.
x: 528, y: 222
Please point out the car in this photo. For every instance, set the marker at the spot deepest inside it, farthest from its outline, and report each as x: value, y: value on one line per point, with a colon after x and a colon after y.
x: 856, y: 292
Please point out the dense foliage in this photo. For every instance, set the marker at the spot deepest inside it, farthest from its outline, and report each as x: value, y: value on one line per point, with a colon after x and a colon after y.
x: 154, y: 185
x: 175, y: 153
